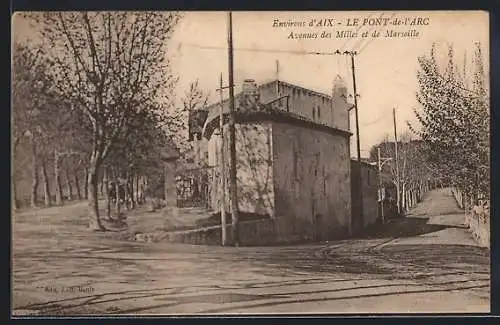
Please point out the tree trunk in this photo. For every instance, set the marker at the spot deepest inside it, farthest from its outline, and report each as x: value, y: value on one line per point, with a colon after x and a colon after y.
x: 138, y: 190
x: 398, y: 198
x: 93, y: 203
x: 46, y: 187
x: 15, y: 203
x: 409, y: 198
x: 132, y: 192
x: 57, y: 178
x: 117, y: 193
x: 126, y: 197
x: 77, y: 186
x: 402, y: 197
x: 85, y: 184
x: 34, y: 183
x: 412, y: 198
x: 106, y: 193
x: 101, y: 186
x: 69, y: 186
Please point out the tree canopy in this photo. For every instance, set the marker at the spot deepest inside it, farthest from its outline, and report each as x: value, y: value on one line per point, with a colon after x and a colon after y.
x: 453, y: 120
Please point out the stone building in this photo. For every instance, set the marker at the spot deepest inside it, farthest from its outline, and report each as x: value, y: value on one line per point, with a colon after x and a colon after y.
x: 293, y: 160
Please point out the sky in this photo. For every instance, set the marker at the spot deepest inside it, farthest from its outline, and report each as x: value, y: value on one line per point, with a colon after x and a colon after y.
x: 385, y: 67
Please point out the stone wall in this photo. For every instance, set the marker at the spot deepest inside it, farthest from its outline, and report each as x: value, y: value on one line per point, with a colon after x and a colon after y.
x: 252, y: 233
x: 478, y: 222
x: 477, y: 218
x: 311, y: 183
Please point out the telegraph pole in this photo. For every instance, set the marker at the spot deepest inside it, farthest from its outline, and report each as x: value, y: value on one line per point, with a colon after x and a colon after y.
x: 380, y: 162
x: 277, y: 78
x: 222, y: 168
x: 396, y: 160
x: 232, y: 136
x: 358, y: 146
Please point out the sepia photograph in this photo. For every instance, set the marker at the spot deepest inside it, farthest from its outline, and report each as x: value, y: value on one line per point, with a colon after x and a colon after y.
x: 174, y: 163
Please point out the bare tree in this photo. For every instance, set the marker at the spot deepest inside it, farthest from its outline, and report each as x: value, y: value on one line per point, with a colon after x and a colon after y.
x: 195, y: 99
x: 111, y: 66
x: 45, y: 181
x: 32, y: 97
x: 34, y: 183
x: 414, y: 172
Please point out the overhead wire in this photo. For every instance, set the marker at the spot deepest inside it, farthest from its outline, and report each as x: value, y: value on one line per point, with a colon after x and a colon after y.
x: 371, y: 39
x: 361, y: 40
x: 376, y: 120
x: 261, y: 50
x: 357, y: 30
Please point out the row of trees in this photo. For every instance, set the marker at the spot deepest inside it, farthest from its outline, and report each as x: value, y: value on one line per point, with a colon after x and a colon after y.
x: 450, y: 144
x: 412, y: 178
x: 454, y: 121
x: 95, y: 101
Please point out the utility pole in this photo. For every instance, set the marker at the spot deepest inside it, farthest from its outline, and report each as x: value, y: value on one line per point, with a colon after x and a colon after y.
x: 358, y: 147
x: 396, y: 160
x: 222, y: 168
x: 380, y: 162
x: 277, y: 78
x: 232, y: 141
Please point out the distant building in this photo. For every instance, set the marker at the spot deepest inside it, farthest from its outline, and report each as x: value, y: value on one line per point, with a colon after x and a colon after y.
x: 369, y: 194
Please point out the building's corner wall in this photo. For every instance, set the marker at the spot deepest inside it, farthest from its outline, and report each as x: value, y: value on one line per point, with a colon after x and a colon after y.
x: 254, y: 170
x: 312, y: 183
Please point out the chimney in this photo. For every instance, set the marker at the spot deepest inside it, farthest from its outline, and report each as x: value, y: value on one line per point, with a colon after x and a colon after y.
x: 249, y: 87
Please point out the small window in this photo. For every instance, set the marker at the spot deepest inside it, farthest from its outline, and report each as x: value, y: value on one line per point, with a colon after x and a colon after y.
x: 319, y: 112
x: 314, y: 112
x: 368, y: 178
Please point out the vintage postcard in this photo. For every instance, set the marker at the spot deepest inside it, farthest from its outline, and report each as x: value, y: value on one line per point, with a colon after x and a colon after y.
x: 242, y: 163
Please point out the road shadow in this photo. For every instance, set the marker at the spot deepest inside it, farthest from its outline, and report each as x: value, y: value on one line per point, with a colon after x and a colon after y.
x: 400, y: 228
x: 394, y: 261
x: 445, y: 256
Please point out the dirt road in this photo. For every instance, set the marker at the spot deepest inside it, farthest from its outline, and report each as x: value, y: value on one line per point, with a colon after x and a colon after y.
x: 426, y: 262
